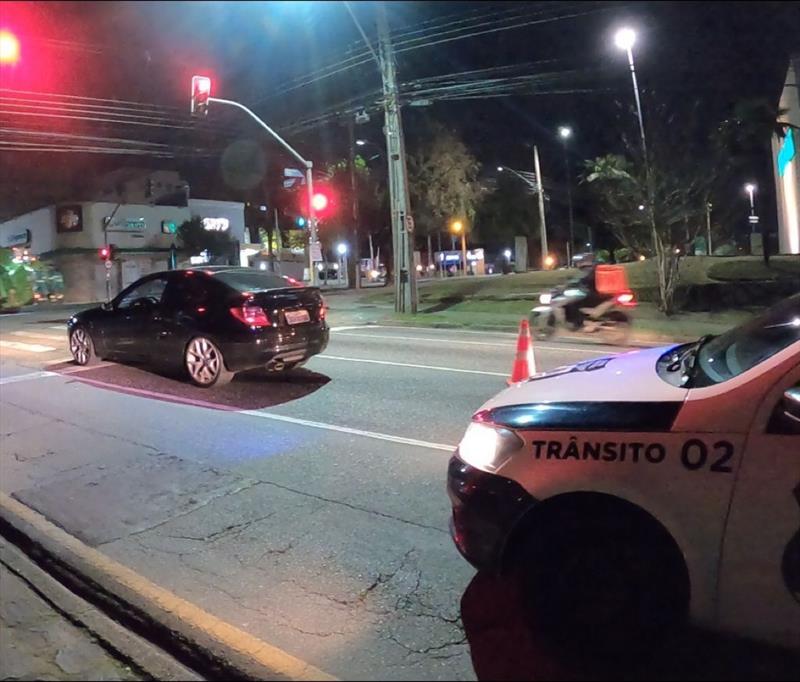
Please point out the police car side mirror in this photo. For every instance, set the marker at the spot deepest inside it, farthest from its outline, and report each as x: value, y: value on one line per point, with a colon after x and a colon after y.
x: 791, y: 403
x: 786, y: 418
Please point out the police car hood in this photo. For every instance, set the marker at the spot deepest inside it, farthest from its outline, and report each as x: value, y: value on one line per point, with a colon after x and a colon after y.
x: 625, y: 378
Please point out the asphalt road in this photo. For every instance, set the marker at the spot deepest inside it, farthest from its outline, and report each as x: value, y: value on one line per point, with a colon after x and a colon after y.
x: 308, y: 510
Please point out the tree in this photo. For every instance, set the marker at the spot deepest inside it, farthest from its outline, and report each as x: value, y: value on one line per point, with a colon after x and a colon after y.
x: 442, y: 178
x: 505, y: 212
x: 196, y: 239
x: 682, y: 175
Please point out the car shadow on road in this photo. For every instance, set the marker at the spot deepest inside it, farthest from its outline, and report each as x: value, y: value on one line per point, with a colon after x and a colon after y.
x: 252, y: 390
x: 505, y: 645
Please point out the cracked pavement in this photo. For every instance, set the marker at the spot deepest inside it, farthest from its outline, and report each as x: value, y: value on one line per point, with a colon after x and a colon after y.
x: 332, y: 546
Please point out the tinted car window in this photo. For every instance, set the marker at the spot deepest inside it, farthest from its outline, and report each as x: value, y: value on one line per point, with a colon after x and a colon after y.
x: 152, y: 289
x: 744, y: 347
x: 252, y: 281
x: 186, y: 292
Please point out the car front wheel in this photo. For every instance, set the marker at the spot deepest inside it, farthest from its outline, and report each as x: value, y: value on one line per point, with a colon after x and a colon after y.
x: 204, y: 363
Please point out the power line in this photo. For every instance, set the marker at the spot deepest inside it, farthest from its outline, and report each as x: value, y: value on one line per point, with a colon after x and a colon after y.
x: 127, y: 103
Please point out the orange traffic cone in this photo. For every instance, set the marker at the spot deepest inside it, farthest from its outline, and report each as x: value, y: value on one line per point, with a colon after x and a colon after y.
x: 524, y: 363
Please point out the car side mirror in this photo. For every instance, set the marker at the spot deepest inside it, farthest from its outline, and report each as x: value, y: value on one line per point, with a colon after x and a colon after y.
x: 791, y: 404
x: 108, y: 306
x: 786, y: 417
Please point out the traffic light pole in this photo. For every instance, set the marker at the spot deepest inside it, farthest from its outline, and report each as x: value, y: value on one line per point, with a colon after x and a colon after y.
x: 309, y: 165
x: 402, y: 223
x: 542, y: 223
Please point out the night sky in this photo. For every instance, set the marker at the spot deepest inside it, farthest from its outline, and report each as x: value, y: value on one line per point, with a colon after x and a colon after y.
x: 716, y: 52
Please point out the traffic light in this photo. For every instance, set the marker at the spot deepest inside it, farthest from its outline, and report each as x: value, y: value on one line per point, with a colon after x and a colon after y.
x: 323, y: 202
x: 9, y: 48
x: 300, y: 221
x: 201, y: 91
x: 319, y: 201
x: 106, y: 252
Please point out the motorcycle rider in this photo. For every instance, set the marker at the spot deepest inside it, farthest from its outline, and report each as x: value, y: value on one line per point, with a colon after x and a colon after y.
x: 589, y: 297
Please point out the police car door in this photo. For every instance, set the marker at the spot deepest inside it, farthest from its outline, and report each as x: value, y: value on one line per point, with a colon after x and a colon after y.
x: 759, y: 590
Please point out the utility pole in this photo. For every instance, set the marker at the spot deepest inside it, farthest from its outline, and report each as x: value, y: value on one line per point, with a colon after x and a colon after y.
x: 542, y: 224
x: 354, y: 191
x: 402, y: 222
x: 708, y: 227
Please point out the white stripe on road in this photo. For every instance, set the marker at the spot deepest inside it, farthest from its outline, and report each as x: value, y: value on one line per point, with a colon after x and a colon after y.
x: 536, y: 346
x: 344, y: 329
x: 60, y: 327
x: 26, y: 377
x: 409, y: 364
x: 39, y: 335
x: 348, y: 430
x: 28, y: 347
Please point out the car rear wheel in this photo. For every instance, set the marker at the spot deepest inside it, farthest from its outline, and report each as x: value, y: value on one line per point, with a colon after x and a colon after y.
x: 204, y: 363
x: 614, y: 581
x: 82, y: 347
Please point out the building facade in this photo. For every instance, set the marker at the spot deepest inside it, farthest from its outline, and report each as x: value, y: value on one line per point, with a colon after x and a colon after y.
x: 127, y: 215
x: 787, y: 164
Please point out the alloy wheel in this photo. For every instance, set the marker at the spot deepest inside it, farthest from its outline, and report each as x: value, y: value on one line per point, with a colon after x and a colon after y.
x: 203, y: 361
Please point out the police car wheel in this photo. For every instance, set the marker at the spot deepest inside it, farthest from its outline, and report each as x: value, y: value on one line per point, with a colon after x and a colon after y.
x: 613, y: 579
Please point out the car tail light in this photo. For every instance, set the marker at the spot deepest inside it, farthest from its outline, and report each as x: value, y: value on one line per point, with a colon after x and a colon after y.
x: 252, y: 315
x: 626, y: 299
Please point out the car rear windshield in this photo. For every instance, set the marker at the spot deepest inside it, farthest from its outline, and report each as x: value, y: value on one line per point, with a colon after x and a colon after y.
x: 744, y: 347
x: 252, y: 281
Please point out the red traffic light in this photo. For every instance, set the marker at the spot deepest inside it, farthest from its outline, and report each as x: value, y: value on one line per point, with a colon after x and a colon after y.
x: 201, y: 90
x: 319, y: 202
x: 9, y: 48
x: 104, y: 252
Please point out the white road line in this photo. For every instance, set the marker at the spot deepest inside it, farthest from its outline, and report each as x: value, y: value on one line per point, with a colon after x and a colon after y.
x: 28, y: 347
x: 348, y: 430
x: 343, y: 329
x: 39, y: 335
x: 60, y: 327
x: 409, y: 364
x: 26, y: 377
x: 510, y: 347
x: 439, y: 330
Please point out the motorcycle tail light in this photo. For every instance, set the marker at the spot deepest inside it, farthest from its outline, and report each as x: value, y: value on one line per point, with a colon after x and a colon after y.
x: 626, y: 299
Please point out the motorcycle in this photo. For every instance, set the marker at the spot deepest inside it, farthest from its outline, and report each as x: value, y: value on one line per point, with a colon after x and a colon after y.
x: 610, y: 319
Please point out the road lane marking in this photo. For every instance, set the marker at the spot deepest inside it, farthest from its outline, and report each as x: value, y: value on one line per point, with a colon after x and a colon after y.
x: 409, y: 364
x: 343, y: 329
x: 39, y: 335
x: 30, y: 376
x: 536, y: 346
x: 27, y: 347
x: 60, y: 327
x: 346, y: 429
x: 259, y: 658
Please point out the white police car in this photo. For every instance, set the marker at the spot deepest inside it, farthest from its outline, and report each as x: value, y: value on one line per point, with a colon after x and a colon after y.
x: 637, y: 489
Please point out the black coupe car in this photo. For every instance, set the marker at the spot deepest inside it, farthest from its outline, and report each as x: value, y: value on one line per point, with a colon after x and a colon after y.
x: 211, y: 321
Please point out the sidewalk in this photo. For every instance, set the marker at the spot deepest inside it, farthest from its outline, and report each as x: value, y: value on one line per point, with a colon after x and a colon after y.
x: 39, y: 643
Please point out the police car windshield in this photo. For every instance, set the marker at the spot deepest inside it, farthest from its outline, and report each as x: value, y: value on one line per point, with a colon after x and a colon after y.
x: 744, y: 347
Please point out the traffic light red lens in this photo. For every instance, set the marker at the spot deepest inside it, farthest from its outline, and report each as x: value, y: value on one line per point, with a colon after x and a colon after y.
x: 9, y: 48
x: 104, y: 252
x: 319, y: 202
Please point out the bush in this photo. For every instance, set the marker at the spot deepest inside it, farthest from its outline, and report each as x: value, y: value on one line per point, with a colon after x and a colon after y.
x: 602, y: 256
x: 725, y: 250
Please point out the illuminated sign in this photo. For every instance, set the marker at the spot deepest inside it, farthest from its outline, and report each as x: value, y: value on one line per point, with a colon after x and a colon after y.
x: 134, y: 225
x: 216, y: 224
x: 169, y: 227
x: 786, y: 153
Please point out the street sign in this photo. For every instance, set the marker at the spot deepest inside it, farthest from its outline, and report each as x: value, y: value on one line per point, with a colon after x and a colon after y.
x: 109, y: 265
x: 753, y: 219
x: 316, y: 252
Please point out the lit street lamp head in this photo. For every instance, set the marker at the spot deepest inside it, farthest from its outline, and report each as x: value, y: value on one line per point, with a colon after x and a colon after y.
x: 749, y: 188
x: 457, y: 226
x: 565, y: 132
x: 341, y: 249
x: 625, y: 38
x: 361, y: 143
x: 499, y: 169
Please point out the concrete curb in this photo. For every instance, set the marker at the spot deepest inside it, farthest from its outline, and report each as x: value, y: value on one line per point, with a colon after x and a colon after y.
x: 121, y: 644
x: 196, y: 638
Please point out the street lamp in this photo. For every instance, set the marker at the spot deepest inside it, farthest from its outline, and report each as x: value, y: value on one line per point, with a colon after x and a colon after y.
x: 361, y: 143
x: 457, y: 227
x: 507, y: 254
x: 625, y: 38
x: 341, y: 249
x: 750, y: 188
x: 565, y: 132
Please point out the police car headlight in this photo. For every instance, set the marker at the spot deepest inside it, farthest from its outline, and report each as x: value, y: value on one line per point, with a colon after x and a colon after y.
x: 486, y: 447
x: 545, y: 299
